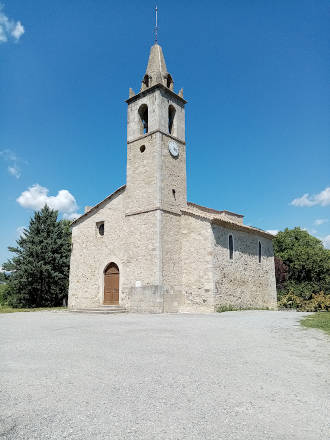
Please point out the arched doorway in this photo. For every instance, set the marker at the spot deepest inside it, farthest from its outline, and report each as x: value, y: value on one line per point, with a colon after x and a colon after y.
x: 111, y: 284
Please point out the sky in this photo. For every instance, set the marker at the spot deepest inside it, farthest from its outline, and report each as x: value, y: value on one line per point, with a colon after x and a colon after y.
x: 255, y: 74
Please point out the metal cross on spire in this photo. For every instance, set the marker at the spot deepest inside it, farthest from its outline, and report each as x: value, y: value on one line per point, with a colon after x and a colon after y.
x: 156, y: 26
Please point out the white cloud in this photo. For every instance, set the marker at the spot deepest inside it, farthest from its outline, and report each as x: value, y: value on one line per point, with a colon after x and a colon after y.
x: 14, y: 171
x: 9, y: 29
x: 36, y: 197
x: 11, y: 157
x: 326, y: 241
x: 273, y: 231
x: 18, y: 31
x: 322, y: 199
x: 320, y: 221
x: 72, y: 216
x: 8, y: 155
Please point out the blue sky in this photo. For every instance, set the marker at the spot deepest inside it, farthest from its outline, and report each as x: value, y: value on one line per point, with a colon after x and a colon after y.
x: 255, y: 74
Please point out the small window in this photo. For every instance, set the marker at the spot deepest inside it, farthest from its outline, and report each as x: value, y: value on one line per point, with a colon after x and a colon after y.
x: 100, y: 228
x: 171, y: 114
x: 231, y: 247
x: 169, y: 82
x: 146, y: 80
x: 143, y: 148
x: 173, y: 193
x: 259, y: 251
x: 143, y: 113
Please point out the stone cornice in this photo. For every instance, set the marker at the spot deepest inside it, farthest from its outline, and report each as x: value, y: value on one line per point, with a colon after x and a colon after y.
x: 143, y: 136
x: 157, y: 208
x: 151, y: 89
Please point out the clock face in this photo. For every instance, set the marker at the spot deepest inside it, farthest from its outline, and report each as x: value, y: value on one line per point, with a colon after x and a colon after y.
x: 173, y: 148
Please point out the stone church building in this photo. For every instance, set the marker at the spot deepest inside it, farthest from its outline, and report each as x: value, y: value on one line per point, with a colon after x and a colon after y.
x: 144, y: 247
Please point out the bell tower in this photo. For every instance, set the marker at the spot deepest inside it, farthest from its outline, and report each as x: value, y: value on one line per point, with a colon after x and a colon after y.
x: 155, y: 190
x: 156, y: 149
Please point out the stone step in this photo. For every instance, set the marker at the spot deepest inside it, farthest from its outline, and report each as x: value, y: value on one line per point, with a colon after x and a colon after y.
x: 102, y: 310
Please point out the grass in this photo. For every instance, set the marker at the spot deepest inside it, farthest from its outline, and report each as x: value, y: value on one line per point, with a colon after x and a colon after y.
x: 7, y: 309
x: 319, y: 320
x: 230, y: 308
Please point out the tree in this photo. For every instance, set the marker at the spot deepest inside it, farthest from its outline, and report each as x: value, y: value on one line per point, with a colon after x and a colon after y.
x: 307, y: 260
x: 4, y: 277
x: 40, y: 268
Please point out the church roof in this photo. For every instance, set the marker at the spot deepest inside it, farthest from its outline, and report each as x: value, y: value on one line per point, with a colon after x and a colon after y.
x: 239, y: 227
x: 156, y: 64
x: 156, y: 76
x: 156, y: 72
x: 224, y: 222
x: 99, y: 205
x: 215, y: 211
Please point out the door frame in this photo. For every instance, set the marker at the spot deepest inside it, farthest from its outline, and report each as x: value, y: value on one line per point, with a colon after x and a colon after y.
x: 104, y: 270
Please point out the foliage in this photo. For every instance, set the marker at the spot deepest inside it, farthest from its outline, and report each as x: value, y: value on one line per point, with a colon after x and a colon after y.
x: 3, y: 288
x: 8, y: 309
x: 40, y: 267
x: 318, y: 320
x: 302, y: 264
x: 231, y: 308
x: 318, y: 302
x: 4, y: 277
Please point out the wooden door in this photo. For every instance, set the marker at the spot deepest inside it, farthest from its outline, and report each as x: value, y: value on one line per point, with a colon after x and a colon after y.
x: 111, y: 284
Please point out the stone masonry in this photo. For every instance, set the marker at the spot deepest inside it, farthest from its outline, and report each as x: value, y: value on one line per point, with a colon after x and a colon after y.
x: 171, y: 255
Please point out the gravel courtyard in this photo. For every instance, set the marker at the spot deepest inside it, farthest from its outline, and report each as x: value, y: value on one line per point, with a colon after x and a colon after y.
x: 236, y: 375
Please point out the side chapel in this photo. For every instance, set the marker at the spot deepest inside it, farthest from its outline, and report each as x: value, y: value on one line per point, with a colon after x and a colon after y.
x: 144, y: 248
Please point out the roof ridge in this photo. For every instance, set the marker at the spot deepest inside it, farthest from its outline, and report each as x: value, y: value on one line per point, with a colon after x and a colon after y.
x: 205, y: 208
x: 99, y: 204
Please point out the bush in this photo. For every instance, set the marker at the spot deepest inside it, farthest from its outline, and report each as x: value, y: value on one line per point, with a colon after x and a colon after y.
x: 231, y: 308
x: 3, y: 288
x: 316, y: 303
x: 302, y: 269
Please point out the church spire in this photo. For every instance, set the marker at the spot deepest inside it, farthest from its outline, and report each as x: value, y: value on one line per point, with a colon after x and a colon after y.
x: 156, y: 72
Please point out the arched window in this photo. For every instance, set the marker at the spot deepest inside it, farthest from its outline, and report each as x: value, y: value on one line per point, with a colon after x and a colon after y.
x: 169, y: 82
x: 231, y: 246
x: 259, y: 251
x: 100, y: 228
x: 143, y: 113
x: 171, y: 114
x: 146, y: 80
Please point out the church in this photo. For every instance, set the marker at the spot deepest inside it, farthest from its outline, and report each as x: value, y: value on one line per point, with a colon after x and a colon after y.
x: 145, y: 248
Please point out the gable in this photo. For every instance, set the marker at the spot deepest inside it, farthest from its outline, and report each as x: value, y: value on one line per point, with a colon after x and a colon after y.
x: 99, y: 206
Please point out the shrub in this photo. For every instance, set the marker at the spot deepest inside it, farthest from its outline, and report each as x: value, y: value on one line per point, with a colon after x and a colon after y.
x: 317, y: 302
x: 3, y: 288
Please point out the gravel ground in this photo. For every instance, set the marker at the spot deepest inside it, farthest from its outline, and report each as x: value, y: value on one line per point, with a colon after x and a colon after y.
x: 236, y: 375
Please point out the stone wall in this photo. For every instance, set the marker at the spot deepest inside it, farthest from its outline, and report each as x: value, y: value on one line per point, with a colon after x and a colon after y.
x: 197, y: 264
x: 243, y: 281
x: 91, y: 253
x: 168, y: 262
x: 143, y: 177
x: 158, y: 101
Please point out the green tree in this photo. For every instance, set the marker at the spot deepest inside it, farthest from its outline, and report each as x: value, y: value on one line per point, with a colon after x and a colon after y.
x: 307, y: 260
x: 40, y: 267
x: 4, y: 277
